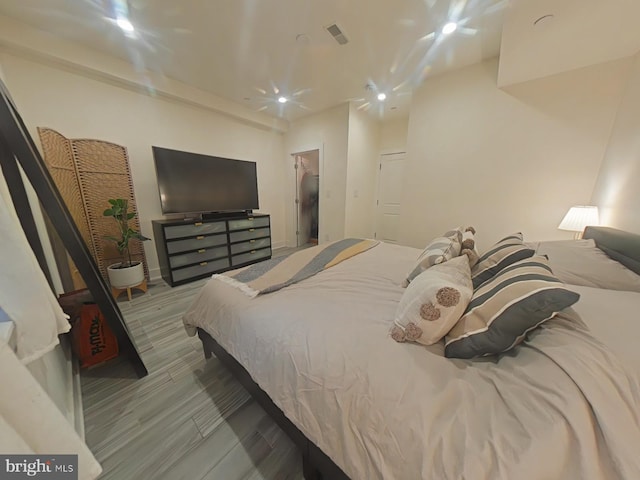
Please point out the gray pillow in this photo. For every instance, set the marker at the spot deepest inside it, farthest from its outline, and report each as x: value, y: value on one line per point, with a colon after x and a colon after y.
x: 580, y: 262
x: 501, y: 312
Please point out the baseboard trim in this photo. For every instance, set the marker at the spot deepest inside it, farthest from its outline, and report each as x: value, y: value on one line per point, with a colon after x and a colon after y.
x: 154, y: 274
x: 78, y: 410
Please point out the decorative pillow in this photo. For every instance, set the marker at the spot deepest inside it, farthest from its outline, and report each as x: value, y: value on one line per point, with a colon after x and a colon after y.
x: 468, y: 241
x: 509, y: 250
x: 442, y: 249
x: 472, y: 254
x: 469, y: 246
x: 433, y: 302
x: 506, y: 307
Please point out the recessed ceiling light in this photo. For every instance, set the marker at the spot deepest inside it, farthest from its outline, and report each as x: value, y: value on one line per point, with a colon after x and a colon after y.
x: 125, y: 24
x: 382, y: 97
x: 303, y: 39
x: 282, y: 99
x: 449, y: 28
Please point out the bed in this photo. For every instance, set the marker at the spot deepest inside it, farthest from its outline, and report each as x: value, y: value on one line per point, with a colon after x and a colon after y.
x: 318, y: 356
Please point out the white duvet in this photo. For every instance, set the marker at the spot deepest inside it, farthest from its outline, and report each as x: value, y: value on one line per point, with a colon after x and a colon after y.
x: 560, y: 406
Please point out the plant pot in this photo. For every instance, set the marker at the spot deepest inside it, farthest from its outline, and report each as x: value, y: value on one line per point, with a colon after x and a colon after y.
x: 125, y: 277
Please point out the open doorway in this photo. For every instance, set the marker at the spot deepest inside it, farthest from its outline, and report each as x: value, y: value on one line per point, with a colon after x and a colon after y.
x: 307, y: 165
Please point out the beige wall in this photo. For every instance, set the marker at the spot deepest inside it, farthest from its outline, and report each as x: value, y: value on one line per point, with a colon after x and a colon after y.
x: 362, y: 170
x: 617, y: 191
x: 505, y: 160
x: 393, y: 135
x: 78, y: 107
x: 328, y: 132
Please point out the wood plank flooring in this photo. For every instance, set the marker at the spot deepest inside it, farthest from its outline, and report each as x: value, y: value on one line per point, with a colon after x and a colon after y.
x: 189, y: 418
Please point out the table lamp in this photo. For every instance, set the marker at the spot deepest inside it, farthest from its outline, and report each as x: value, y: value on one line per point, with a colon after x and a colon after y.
x: 579, y: 217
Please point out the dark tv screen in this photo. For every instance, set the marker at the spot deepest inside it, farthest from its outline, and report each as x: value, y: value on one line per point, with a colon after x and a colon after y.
x: 195, y: 183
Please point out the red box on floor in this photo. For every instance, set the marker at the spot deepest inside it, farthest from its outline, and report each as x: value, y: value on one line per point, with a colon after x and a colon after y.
x: 93, y: 341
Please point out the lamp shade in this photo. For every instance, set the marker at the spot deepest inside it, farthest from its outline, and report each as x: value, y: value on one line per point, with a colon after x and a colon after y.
x: 579, y: 217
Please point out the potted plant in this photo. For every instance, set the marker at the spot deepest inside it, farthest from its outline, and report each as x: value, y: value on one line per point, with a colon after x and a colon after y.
x: 126, y: 273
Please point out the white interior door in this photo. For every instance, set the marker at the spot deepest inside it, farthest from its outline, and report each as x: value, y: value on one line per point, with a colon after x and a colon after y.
x: 390, y: 181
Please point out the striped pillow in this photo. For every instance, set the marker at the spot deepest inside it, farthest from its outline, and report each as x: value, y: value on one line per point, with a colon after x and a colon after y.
x: 438, y: 251
x: 506, y: 307
x: 509, y: 250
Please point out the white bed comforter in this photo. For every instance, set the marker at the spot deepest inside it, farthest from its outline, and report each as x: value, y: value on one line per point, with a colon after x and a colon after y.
x: 559, y: 407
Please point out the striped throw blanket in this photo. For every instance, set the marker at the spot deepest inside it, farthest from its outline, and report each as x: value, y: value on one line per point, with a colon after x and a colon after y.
x: 274, y: 274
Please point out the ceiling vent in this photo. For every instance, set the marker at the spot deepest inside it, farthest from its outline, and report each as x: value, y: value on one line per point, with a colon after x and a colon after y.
x: 336, y: 33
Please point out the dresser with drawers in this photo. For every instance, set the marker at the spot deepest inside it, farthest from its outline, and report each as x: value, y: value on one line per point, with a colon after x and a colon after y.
x: 189, y: 250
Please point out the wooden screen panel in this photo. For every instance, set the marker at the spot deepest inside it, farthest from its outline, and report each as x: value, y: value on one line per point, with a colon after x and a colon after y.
x: 58, y: 158
x: 88, y: 173
x: 103, y: 173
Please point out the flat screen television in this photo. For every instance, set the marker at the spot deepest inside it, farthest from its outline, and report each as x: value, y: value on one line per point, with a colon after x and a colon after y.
x: 196, y: 183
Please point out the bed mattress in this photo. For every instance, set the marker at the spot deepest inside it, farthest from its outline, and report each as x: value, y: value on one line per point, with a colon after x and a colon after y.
x: 561, y: 405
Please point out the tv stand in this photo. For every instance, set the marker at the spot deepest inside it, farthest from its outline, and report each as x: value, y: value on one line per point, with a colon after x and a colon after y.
x: 196, y: 248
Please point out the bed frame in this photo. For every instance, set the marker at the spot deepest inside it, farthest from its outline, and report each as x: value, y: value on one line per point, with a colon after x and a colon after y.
x: 316, y: 465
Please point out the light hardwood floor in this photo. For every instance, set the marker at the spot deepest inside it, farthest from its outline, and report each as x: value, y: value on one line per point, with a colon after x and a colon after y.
x: 189, y: 418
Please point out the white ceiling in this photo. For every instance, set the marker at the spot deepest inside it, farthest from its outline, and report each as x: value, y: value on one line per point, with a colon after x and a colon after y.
x: 246, y: 50
x: 580, y: 33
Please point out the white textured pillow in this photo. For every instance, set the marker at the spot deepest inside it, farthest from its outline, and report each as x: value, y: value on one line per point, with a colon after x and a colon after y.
x: 580, y: 262
x: 433, y: 302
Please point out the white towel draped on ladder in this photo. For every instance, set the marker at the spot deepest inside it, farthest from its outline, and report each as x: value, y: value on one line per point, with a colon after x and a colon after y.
x: 30, y: 423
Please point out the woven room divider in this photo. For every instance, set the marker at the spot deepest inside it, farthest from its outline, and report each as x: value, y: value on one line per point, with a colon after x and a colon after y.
x: 88, y: 173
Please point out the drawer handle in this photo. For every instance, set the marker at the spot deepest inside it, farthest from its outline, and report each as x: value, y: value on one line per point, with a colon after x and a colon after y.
x: 202, y: 250
x: 200, y: 237
x: 198, y: 224
x: 250, y: 219
x: 252, y: 241
x: 252, y: 229
x: 252, y: 252
x: 202, y: 264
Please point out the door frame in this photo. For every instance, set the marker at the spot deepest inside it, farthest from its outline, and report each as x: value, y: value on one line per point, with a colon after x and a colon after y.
x: 378, y: 175
x: 292, y: 207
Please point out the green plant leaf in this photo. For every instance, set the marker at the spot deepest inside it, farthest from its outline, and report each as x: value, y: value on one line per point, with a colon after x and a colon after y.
x: 118, y: 211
